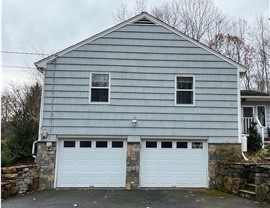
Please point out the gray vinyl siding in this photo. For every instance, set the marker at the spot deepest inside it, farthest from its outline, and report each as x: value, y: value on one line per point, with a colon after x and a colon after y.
x: 143, y: 62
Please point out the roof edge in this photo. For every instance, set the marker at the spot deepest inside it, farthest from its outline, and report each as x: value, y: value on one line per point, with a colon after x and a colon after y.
x: 41, y: 64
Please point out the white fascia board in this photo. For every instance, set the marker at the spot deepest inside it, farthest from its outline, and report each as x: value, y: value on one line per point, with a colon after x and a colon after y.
x: 42, y: 63
x: 256, y: 98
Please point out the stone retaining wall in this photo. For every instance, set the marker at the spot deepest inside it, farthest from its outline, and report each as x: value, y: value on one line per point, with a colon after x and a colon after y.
x: 18, y: 180
x: 214, y: 155
x: 231, y: 177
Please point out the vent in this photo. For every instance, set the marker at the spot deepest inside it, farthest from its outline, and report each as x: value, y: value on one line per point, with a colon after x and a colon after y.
x: 144, y: 21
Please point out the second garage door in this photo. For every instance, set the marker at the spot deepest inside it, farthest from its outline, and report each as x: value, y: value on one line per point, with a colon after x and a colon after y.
x: 173, y: 164
x: 91, y: 163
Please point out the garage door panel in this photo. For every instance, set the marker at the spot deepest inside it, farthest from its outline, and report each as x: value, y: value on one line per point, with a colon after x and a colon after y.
x: 87, y: 165
x: 182, y: 165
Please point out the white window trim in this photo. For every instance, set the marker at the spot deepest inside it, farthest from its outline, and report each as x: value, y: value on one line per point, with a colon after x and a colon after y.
x: 265, y: 115
x: 192, y: 90
x: 109, y: 89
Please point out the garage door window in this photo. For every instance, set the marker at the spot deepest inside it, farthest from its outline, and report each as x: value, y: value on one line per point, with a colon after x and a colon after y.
x: 166, y: 144
x: 117, y: 144
x: 101, y: 144
x: 85, y: 144
x: 69, y: 143
x: 197, y: 145
x: 151, y: 145
x: 182, y: 145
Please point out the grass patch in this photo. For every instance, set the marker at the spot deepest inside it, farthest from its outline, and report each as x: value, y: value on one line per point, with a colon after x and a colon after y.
x: 215, y: 193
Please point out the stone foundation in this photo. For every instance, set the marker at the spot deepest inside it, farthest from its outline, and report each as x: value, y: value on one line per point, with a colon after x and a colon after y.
x: 18, y: 180
x: 214, y: 156
x: 133, y: 165
x: 46, y: 163
x: 233, y: 176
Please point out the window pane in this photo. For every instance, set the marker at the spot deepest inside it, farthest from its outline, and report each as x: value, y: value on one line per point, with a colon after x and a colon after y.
x: 184, y: 82
x: 69, y: 143
x: 100, y: 80
x: 117, y: 144
x: 197, y: 145
x: 182, y: 145
x: 101, y: 144
x: 184, y: 97
x: 85, y: 143
x: 151, y: 144
x: 248, y: 111
x: 166, y: 144
x: 99, y: 95
x: 261, y: 114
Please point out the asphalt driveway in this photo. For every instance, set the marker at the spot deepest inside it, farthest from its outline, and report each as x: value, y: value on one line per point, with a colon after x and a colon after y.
x: 186, y: 198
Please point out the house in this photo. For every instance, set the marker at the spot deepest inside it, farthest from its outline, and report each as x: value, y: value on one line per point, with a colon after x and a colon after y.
x: 256, y: 106
x: 138, y: 105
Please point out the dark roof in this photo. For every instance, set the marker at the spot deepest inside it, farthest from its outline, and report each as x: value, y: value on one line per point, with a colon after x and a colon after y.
x: 253, y: 93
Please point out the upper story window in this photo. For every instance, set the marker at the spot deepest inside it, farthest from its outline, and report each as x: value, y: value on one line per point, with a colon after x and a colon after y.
x: 100, y: 88
x: 184, y: 90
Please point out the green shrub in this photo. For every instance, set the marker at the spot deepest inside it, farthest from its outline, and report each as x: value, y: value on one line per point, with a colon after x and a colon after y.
x: 230, y: 153
x: 24, y: 133
x: 6, y: 155
x: 254, y: 140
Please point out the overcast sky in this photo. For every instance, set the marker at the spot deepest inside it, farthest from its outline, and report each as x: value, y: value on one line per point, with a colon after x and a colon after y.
x: 47, y: 26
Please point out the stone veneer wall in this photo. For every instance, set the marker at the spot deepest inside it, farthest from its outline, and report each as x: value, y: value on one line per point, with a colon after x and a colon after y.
x: 231, y: 177
x: 46, y: 164
x: 18, y: 180
x: 214, y: 157
x: 133, y: 165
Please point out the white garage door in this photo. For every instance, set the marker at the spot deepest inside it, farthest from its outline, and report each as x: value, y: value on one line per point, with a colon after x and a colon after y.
x: 90, y: 163
x: 174, y: 164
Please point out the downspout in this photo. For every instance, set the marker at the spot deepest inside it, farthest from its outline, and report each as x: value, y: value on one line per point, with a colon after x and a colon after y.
x: 239, y: 107
x: 240, y: 139
x: 40, y: 133
x: 52, y: 101
x: 43, y: 71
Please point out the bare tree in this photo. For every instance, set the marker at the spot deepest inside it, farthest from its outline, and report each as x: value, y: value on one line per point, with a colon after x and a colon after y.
x: 19, y: 97
x: 122, y: 12
x: 236, y: 44
x: 261, y: 36
x: 197, y: 19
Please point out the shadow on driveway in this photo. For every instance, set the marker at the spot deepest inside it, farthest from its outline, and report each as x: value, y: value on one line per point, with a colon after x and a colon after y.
x: 186, y: 198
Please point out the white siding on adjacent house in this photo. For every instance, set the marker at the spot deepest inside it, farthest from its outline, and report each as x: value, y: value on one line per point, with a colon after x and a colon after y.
x: 143, y: 62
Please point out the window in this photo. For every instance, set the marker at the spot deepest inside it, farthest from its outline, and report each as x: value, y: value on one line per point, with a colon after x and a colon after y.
x: 184, y: 90
x: 261, y: 114
x: 117, y: 144
x: 69, y: 143
x: 182, y: 145
x: 247, y: 112
x: 166, y: 144
x: 85, y: 144
x: 151, y: 144
x: 197, y: 145
x: 99, y: 88
x: 101, y: 144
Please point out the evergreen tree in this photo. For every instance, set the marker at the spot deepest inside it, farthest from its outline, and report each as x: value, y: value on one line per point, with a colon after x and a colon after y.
x: 254, y: 140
